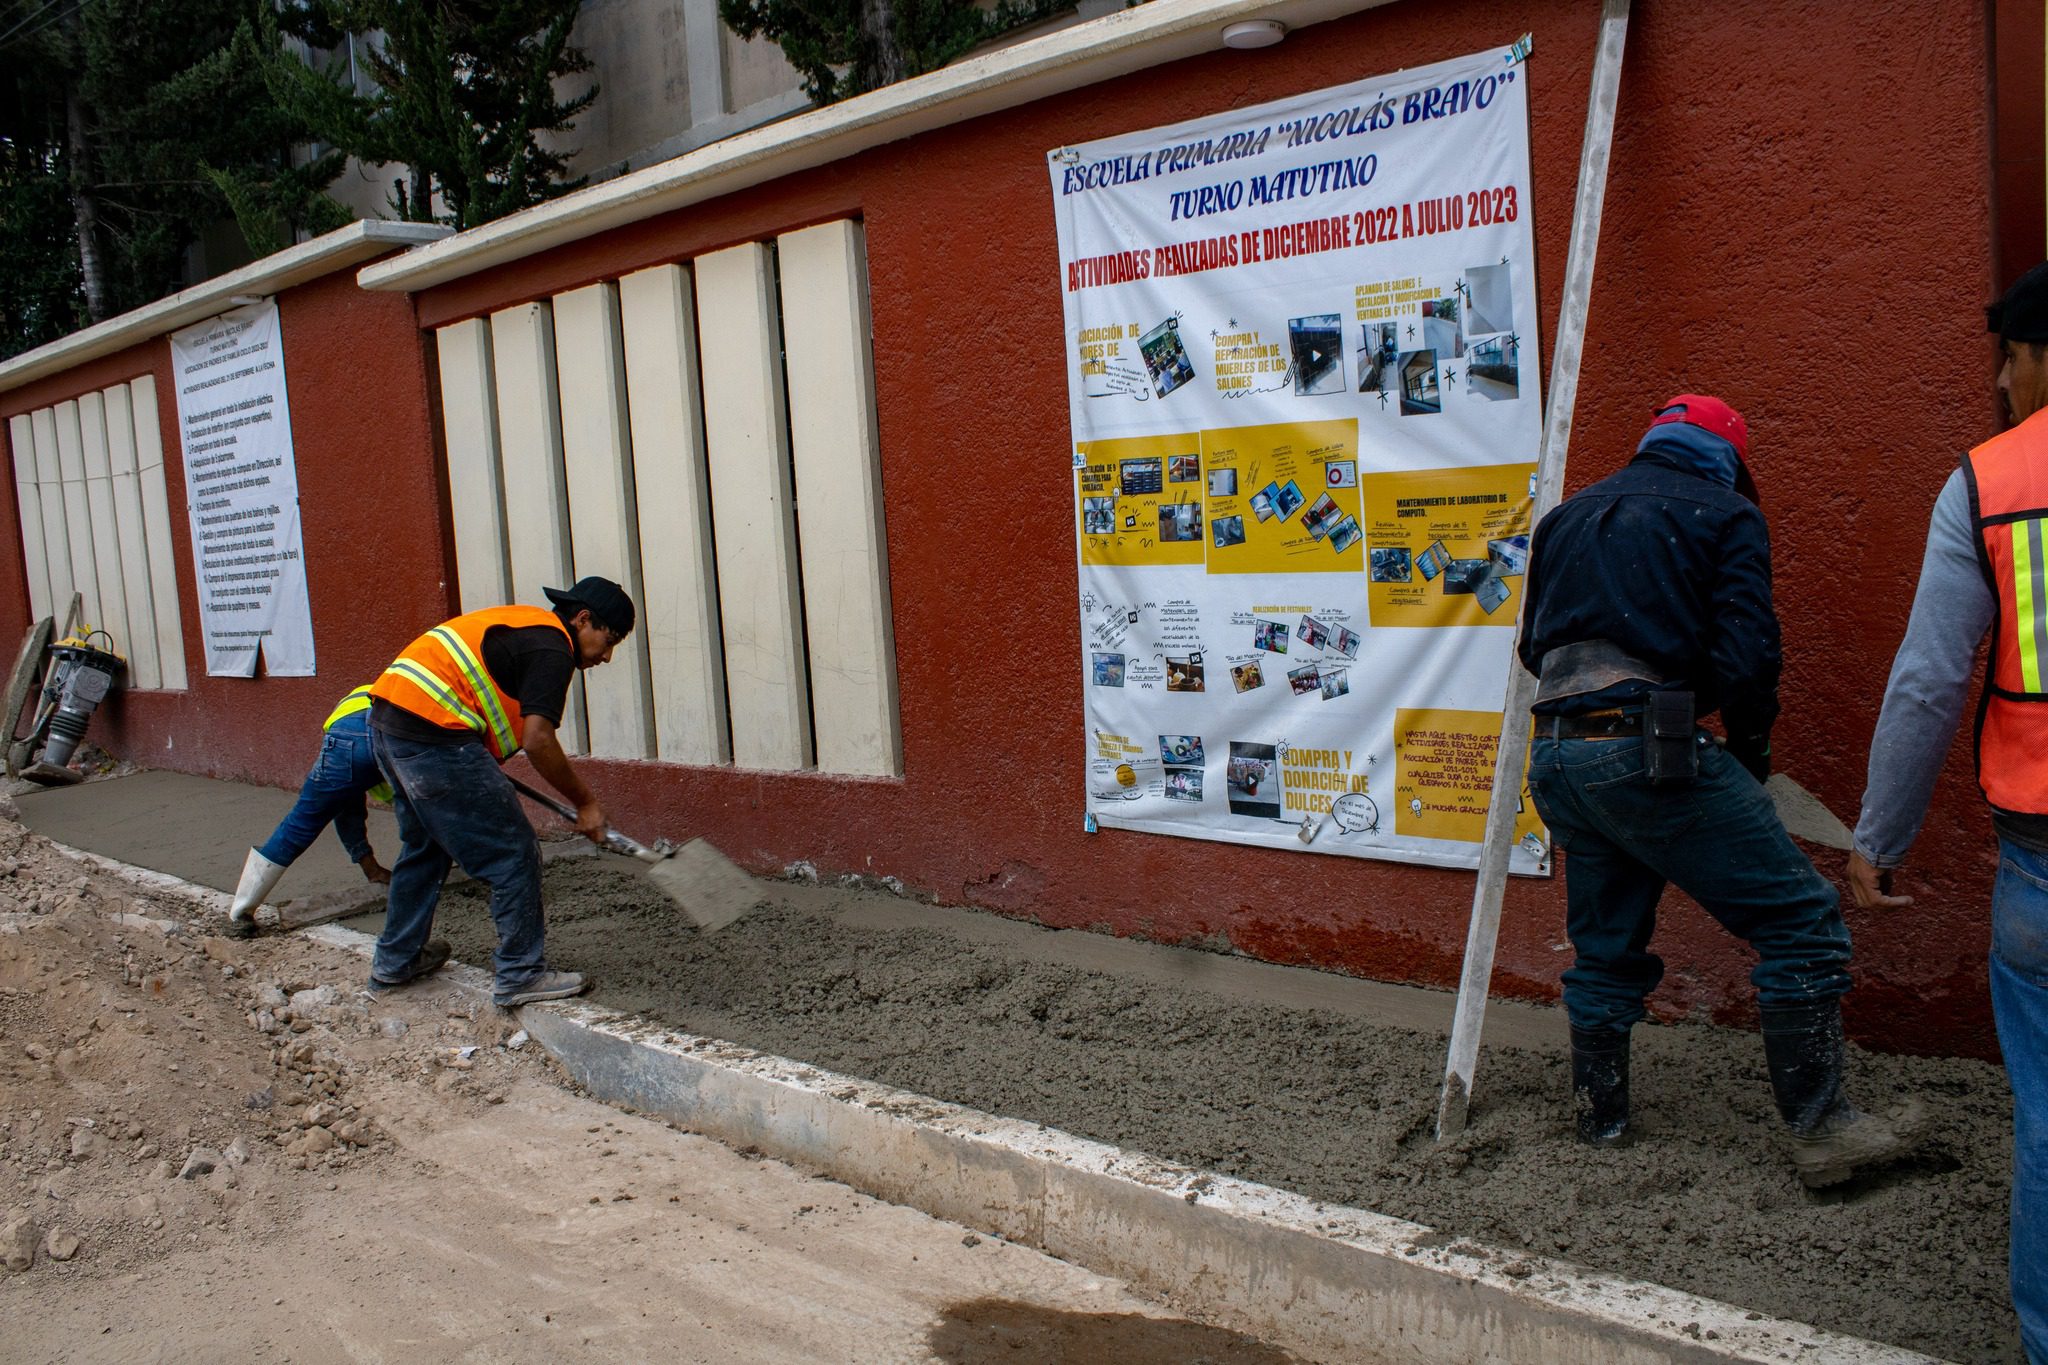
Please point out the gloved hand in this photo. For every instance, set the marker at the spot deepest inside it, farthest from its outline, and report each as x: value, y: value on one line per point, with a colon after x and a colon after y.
x: 1752, y: 752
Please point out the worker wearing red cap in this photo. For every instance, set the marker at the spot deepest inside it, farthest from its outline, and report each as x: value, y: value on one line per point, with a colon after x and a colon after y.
x: 1649, y: 608
x: 1985, y: 573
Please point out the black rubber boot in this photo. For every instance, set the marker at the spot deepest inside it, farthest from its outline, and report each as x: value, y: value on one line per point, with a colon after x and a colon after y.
x: 1831, y: 1138
x: 1600, y: 1085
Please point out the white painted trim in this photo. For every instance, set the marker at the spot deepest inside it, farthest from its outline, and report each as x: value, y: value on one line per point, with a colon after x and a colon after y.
x: 145, y: 662
x: 156, y: 531
x: 28, y: 498
x: 845, y: 551
x: 746, y: 430
x: 530, y: 446
x: 679, y: 613
x: 296, y: 265
x: 604, y: 530
x: 77, y: 515
x: 1066, y: 59
x: 50, y: 488
x: 99, y: 506
x: 476, y: 487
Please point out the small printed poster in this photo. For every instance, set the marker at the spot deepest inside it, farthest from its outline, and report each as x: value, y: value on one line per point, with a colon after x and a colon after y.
x: 242, y: 493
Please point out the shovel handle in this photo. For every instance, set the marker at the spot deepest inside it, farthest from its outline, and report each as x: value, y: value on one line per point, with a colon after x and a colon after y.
x: 613, y: 840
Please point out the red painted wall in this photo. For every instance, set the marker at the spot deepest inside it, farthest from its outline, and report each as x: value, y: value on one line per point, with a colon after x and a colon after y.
x: 1812, y: 240
x: 374, y: 531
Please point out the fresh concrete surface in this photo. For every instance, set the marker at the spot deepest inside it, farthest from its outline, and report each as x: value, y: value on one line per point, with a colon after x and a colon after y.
x: 199, y: 830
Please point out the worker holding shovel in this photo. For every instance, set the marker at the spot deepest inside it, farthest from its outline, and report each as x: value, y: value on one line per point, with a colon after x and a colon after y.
x: 1983, y: 573
x: 334, y: 792
x: 459, y: 701
x: 1649, y: 607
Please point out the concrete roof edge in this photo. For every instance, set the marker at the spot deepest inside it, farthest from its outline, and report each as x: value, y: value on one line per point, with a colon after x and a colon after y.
x: 1067, y: 59
x: 281, y: 270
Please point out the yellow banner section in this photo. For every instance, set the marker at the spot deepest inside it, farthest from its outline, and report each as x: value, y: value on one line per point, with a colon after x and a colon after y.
x: 1141, y: 500
x: 1283, y: 498
x: 1443, y: 776
x: 1448, y: 547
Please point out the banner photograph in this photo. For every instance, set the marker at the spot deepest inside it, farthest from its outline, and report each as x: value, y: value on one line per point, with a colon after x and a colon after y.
x: 1301, y: 360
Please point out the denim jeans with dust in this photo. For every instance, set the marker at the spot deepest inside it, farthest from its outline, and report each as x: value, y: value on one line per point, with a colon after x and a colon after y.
x: 455, y: 807
x: 2019, y: 1003
x: 332, y: 793
x: 1715, y: 837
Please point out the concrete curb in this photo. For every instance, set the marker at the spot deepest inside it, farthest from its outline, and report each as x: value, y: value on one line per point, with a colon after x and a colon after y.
x: 1330, y: 1282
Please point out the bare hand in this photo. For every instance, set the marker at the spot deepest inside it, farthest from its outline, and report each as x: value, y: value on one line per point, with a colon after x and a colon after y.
x: 1872, y: 888
x: 374, y: 870
x: 591, y: 822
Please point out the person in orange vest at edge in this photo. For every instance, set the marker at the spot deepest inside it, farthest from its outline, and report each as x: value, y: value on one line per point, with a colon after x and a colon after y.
x: 1649, y: 607
x: 459, y: 701
x: 334, y: 792
x: 1985, y: 571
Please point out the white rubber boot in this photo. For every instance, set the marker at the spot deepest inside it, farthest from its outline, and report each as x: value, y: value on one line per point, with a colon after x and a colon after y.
x: 259, y: 875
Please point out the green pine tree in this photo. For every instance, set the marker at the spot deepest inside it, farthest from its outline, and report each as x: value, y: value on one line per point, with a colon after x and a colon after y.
x: 127, y: 130
x: 842, y: 48
x: 464, y: 90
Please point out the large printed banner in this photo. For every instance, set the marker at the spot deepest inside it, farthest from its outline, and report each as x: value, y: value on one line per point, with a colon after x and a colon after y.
x: 1302, y: 376
x: 242, y: 492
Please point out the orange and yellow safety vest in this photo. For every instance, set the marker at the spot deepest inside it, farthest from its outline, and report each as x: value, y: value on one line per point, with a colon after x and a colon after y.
x: 2008, y: 482
x: 441, y: 677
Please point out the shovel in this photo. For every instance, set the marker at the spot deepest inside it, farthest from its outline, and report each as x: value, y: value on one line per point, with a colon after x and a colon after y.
x: 708, y: 887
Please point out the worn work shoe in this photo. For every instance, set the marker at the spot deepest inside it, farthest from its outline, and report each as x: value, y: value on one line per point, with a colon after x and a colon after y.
x: 1830, y: 1138
x: 1849, y: 1139
x: 429, y: 959
x: 546, y: 986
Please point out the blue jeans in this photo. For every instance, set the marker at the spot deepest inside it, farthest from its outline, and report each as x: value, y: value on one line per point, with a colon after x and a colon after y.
x: 1716, y: 838
x: 2019, y: 1002
x: 454, y: 806
x: 331, y: 793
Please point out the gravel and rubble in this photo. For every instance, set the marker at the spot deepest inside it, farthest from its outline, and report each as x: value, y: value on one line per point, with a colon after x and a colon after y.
x: 159, y: 1085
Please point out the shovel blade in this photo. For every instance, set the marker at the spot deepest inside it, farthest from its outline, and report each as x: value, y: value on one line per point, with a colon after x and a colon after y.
x: 708, y: 887
x: 1804, y: 816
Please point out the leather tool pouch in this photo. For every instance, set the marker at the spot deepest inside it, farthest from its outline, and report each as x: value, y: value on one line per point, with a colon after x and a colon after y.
x: 1670, y: 754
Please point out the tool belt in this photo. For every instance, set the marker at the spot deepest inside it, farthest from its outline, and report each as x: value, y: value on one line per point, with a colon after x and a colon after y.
x: 1613, y: 723
x: 1589, y: 666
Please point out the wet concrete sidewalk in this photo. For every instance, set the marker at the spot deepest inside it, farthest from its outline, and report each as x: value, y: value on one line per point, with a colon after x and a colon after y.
x: 199, y: 830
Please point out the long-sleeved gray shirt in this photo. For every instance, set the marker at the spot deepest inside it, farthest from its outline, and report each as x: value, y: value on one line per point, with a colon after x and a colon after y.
x: 1930, y: 682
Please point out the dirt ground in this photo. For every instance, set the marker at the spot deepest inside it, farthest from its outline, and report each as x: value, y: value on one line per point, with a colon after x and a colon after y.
x: 1339, y: 1108
x: 220, y: 1151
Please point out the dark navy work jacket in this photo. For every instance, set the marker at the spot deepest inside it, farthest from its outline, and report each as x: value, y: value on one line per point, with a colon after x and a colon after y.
x: 1676, y: 570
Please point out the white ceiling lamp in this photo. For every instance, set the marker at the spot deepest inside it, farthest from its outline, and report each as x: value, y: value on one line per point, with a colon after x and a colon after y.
x: 1253, y: 33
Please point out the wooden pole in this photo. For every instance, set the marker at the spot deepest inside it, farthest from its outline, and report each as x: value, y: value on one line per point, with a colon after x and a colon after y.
x: 1512, y: 761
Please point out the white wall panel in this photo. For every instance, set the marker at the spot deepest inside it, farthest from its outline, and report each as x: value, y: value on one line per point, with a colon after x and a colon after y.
x: 530, y: 450
x: 752, y: 507
x: 145, y: 665
x: 604, y: 534
x: 50, y: 489
x: 77, y: 515
x: 839, y: 498
x: 679, y: 612
x: 99, y: 503
x: 156, y: 530
x: 476, y: 489
x: 27, y: 497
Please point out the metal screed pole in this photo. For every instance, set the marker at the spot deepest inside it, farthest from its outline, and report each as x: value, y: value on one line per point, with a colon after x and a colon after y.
x: 1513, y: 759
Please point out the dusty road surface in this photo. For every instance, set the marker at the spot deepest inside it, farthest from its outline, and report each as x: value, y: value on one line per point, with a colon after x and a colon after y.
x: 213, y: 1151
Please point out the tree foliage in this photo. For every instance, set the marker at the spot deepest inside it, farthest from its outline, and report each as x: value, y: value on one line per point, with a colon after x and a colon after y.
x: 842, y: 48
x: 127, y: 130
x: 465, y: 89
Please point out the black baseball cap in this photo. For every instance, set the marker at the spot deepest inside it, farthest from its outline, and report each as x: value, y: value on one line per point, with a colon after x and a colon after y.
x: 605, y: 600
x: 2022, y: 315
